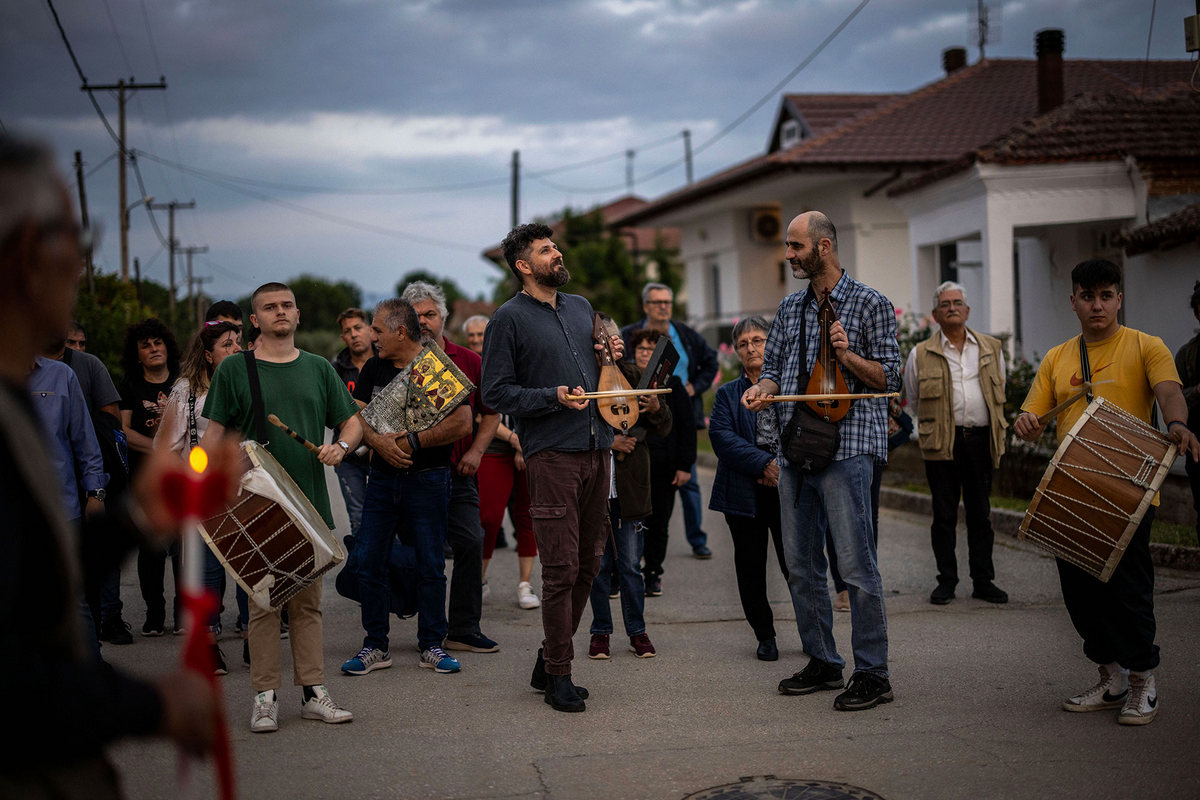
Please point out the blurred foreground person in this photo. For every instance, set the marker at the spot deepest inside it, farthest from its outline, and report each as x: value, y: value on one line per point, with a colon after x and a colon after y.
x: 71, y: 706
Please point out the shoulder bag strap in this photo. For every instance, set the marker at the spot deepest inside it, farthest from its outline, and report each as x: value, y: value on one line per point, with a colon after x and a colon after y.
x: 1085, y: 368
x: 256, y: 398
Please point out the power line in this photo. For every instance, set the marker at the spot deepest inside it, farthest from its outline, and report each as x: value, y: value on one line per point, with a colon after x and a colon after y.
x: 79, y: 70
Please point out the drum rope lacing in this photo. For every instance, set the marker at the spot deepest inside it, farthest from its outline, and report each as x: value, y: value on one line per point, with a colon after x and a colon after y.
x: 1143, y: 478
x: 249, y: 576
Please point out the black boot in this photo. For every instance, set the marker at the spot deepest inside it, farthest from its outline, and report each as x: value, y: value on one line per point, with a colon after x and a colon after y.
x: 562, y: 695
x: 538, y: 679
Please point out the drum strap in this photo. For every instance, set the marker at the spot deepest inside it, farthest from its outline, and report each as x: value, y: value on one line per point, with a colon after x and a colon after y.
x: 1085, y: 369
x: 256, y: 398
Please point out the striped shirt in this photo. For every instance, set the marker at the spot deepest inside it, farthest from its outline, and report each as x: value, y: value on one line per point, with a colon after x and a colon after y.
x: 870, y: 323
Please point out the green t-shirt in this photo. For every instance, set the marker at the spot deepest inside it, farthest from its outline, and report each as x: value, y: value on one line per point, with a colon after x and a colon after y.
x: 306, y: 394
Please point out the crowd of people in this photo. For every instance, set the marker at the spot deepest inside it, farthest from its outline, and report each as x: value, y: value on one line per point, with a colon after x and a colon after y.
x: 798, y: 472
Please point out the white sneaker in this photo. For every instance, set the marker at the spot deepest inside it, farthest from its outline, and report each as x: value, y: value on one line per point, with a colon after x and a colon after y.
x: 322, y: 707
x: 525, y: 596
x: 265, y: 716
x: 1142, y: 703
x: 485, y: 592
x: 1110, y: 692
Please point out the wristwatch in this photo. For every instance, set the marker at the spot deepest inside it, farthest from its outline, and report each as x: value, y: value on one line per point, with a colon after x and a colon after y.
x: 98, y: 494
x: 345, y: 447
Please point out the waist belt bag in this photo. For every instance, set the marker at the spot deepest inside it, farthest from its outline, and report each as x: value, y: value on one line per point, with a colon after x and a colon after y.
x: 809, y: 442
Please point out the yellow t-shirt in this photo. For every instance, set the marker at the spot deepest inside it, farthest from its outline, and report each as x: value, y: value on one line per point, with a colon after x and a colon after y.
x: 1134, y: 361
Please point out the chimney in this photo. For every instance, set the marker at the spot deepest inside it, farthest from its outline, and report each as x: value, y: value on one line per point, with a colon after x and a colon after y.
x: 954, y: 59
x: 1049, y: 48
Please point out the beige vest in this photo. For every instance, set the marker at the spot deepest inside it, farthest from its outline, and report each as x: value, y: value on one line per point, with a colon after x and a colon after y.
x: 935, y: 422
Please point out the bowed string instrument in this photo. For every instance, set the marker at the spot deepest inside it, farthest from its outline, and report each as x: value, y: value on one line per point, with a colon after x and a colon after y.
x: 826, y: 376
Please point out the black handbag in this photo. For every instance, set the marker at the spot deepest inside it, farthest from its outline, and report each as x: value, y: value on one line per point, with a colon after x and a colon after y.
x: 809, y: 442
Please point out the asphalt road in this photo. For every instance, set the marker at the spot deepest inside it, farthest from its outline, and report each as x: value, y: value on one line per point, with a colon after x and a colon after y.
x: 976, y: 714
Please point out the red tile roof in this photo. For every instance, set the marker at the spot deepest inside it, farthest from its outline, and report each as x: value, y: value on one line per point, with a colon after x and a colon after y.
x: 1173, y: 230
x: 823, y: 113
x: 933, y: 124
x: 1160, y: 128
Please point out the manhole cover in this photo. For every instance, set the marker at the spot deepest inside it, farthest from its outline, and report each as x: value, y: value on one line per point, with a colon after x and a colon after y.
x: 784, y: 788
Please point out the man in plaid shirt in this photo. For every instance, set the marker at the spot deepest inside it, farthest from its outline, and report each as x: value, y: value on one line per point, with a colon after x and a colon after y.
x: 864, y: 343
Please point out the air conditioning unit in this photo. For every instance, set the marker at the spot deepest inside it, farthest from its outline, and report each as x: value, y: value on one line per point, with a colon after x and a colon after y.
x: 766, y: 226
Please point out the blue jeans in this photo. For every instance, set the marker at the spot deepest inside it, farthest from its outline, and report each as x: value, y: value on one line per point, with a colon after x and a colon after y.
x: 352, y: 477
x: 629, y: 539
x: 838, y: 497
x: 414, y: 507
x: 693, y: 512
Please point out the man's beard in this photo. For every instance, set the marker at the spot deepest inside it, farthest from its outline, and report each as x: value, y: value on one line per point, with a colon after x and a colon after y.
x: 811, y: 266
x: 556, y: 277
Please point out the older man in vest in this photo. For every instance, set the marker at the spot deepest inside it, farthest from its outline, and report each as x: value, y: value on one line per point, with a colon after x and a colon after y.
x: 955, y: 383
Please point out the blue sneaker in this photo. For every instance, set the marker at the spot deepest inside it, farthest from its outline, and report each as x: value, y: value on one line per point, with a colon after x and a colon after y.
x: 368, y: 659
x: 435, y: 658
x: 471, y: 643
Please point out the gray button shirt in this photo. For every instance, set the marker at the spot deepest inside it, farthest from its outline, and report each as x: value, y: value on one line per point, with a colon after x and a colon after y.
x: 530, y: 348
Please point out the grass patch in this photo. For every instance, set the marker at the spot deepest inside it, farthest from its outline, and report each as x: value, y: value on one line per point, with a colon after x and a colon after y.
x: 1161, y: 532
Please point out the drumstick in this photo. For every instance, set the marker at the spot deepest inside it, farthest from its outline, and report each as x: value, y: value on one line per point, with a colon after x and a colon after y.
x: 274, y: 420
x: 805, y: 398
x: 1070, y: 401
x: 616, y: 393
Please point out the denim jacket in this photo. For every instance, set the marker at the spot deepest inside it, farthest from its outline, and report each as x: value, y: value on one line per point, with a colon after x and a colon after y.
x: 731, y: 428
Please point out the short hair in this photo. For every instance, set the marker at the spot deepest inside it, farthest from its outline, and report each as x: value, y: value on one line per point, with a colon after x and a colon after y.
x: 223, y: 308
x: 76, y: 325
x: 655, y: 287
x: 196, y: 369
x: 948, y: 286
x: 821, y: 227
x: 516, y: 243
x: 29, y: 186
x: 750, y: 323
x: 351, y: 313
x: 273, y: 286
x: 398, y: 313
x: 1195, y: 301
x: 252, y: 336
x: 152, y: 328
x: 418, y: 291
x: 1095, y: 273
x: 471, y: 320
x: 644, y: 335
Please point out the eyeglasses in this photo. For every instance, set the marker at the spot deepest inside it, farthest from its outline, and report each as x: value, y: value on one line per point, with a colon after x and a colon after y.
x: 643, y: 349
x: 87, y: 238
x: 757, y: 341
x: 952, y: 304
x: 659, y: 302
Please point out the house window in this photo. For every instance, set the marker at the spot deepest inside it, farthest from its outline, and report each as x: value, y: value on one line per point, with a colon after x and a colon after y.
x: 790, y: 134
x: 948, y: 262
x: 714, y: 280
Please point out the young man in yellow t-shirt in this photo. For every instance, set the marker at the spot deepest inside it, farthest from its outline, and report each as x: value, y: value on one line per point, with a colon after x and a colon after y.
x: 1134, y: 369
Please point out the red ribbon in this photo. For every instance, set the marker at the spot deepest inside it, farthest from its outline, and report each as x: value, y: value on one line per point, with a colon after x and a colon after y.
x: 198, y: 656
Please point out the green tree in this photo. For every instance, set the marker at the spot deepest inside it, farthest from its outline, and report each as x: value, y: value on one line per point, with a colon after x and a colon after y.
x: 113, y: 307
x: 452, y: 290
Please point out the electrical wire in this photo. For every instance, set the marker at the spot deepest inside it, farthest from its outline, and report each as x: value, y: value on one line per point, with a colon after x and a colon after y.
x: 79, y: 70
x: 1149, y: 37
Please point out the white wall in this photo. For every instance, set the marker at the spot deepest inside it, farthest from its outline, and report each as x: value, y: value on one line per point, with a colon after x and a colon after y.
x: 1158, y: 287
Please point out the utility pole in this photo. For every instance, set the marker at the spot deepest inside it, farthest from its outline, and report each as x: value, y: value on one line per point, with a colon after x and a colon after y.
x: 137, y: 286
x: 516, y: 188
x: 121, y: 88
x: 687, y: 154
x: 193, y: 296
x: 629, y: 154
x: 172, y: 245
x: 83, y: 216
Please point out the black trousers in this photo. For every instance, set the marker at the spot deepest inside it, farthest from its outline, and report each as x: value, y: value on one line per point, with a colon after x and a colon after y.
x: 1193, y: 473
x: 1116, y: 619
x: 152, y: 569
x: 750, y: 538
x: 969, y: 476
x: 662, y: 500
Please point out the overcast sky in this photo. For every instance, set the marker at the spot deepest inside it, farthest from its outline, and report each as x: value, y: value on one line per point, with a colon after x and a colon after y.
x: 361, y: 139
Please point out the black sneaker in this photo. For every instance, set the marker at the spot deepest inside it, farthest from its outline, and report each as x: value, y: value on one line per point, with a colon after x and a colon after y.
x: 153, y: 627
x: 115, y: 630
x: 866, y: 690
x: 942, y: 595
x: 654, y: 586
x: 817, y: 676
x: 989, y: 592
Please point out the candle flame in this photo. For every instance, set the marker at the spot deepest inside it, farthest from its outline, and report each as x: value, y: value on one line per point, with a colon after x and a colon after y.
x: 198, y: 459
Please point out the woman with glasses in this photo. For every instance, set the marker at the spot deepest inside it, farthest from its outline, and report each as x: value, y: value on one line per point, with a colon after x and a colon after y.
x: 745, y: 489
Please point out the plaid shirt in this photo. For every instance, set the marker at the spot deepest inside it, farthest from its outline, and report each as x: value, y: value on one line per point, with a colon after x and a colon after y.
x: 870, y: 323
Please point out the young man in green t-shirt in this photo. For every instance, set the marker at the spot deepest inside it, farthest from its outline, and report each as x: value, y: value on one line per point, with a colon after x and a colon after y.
x: 304, y: 391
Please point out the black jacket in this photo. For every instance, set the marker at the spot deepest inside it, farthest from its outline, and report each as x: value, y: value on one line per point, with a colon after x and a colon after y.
x: 702, y: 362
